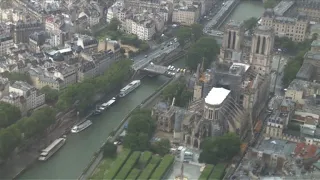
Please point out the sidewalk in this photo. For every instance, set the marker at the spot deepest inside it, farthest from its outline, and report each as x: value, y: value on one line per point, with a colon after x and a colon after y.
x: 19, y: 162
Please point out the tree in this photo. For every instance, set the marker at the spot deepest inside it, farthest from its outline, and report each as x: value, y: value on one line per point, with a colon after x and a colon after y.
x: 122, y: 51
x: 51, y: 95
x: 140, y: 129
x: 219, y: 149
x: 197, y: 31
x: 292, y: 68
x: 9, y: 139
x: 179, y: 91
x: 109, y: 150
x: 114, y: 24
x: 136, y: 142
x: 269, y: 4
x: 183, y: 35
x: 204, y: 50
x: 250, y: 24
x: 9, y: 114
x: 161, y: 147
x: 13, y: 76
x: 83, y: 93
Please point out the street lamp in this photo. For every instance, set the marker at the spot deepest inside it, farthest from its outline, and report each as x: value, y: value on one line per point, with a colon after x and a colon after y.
x: 275, y: 82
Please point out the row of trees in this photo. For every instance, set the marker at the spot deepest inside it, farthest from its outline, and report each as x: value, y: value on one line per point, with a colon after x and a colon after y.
x: 82, y: 94
x: 179, y: 91
x: 140, y: 129
x: 204, y: 51
x: 250, y: 24
x: 13, y: 76
x: 9, y: 114
x: 186, y: 34
x: 52, y: 95
x: 15, y: 134
x: 219, y: 149
x: 298, y: 49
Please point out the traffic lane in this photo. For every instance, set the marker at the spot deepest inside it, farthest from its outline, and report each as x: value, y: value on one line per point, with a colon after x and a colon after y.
x: 156, y: 54
x: 141, y: 56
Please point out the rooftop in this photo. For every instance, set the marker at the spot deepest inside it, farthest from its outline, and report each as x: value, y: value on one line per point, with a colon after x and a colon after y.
x: 315, y: 43
x: 216, y: 96
x: 282, y: 7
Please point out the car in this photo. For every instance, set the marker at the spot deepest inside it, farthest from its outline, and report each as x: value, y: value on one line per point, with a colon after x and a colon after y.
x: 145, y: 56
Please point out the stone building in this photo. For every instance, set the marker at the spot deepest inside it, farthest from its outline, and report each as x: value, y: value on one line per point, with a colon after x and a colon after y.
x: 261, y: 50
x: 232, y: 41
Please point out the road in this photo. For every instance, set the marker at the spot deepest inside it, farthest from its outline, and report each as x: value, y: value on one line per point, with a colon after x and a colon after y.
x: 275, y: 63
x: 165, y: 48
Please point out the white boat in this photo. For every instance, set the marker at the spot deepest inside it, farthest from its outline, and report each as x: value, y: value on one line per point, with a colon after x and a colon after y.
x: 109, y: 103
x: 51, y: 149
x: 81, y: 126
x: 129, y: 88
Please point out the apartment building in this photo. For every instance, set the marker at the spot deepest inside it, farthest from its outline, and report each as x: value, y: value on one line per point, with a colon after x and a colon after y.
x: 311, y: 9
x: 57, y: 77
x: 22, y: 31
x: 24, y: 96
x: 186, y: 15
x: 293, y: 28
x: 141, y: 26
x: 116, y: 11
x: 95, y: 64
x: 4, y: 87
x: 6, y: 42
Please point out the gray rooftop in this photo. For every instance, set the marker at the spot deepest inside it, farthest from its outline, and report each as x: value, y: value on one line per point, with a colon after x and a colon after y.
x: 22, y: 85
x: 312, y: 55
x: 282, y: 7
x: 306, y: 71
x: 274, y: 146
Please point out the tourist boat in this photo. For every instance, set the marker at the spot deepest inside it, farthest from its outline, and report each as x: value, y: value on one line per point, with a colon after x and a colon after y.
x: 81, y: 126
x: 51, y: 149
x: 104, y: 106
x: 129, y: 88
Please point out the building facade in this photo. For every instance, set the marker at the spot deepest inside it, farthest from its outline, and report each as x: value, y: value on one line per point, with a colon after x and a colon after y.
x: 186, y: 15
x: 261, y: 50
x: 293, y: 28
x: 22, y: 31
x: 230, y: 50
x: 24, y: 96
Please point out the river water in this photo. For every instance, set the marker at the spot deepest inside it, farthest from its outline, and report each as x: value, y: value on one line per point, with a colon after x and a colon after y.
x: 72, y: 158
x: 69, y: 162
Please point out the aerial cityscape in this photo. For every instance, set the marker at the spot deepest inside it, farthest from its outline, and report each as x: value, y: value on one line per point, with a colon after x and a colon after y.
x: 160, y: 89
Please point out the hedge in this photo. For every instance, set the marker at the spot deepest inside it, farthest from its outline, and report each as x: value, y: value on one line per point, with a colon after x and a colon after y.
x: 218, y: 171
x: 163, y: 167
x: 117, y: 164
x: 144, y: 159
x: 125, y: 170
x: 153, y: 163
x: 206, y: 172
x: 134, y: 174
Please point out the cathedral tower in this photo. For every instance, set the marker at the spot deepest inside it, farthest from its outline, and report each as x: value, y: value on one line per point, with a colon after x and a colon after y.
x: 261, y: 50
x: 232, y: 40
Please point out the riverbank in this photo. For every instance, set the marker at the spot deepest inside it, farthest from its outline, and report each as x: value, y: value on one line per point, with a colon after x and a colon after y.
x: 98, y: 156
x: 21, y: 161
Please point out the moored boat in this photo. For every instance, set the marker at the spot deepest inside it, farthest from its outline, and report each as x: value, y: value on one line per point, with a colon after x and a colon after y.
x: 129, y: 88
x: 51, y: 149
x: 81, y: 126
